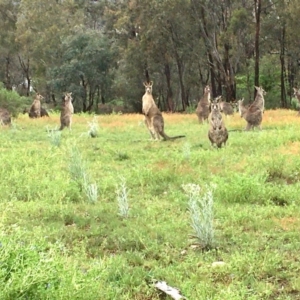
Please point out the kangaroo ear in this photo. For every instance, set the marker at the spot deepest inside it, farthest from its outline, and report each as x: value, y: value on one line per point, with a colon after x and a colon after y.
x: 151, y: 83
x: 257, y: 88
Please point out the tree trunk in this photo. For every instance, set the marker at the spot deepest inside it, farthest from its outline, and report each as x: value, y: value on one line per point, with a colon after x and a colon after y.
x: 26, y: 67
x: 229, y: 79
x: 213, y: 77
x: 291, y: 76
x: 283, y: 71
x: 257, y: 9
x: 179, y: 63
x: 170, y: 103
x: 182, y: 87
x: 8, y: 84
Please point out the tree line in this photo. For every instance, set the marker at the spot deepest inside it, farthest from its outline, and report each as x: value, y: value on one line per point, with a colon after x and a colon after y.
x: 103, y: 50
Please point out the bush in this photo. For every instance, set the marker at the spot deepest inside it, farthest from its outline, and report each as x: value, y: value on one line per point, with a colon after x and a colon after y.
x: 11, y: 101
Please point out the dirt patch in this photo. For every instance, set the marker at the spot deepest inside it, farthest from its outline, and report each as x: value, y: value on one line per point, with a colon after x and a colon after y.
x: 288, y: 223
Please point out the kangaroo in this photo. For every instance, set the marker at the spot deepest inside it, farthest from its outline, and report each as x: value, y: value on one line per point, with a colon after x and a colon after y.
x: 203, y: 108
x: 259, y: 100
x: 66, y: 112
x: 217, y: 133
x: 35, y: 109
x: 242, y: 108
x: 44, y: 112
x: 153, y: 117
x: 297, y: 95
x: 254, y: 113
x: 5, y: 118
x: 227, y: 108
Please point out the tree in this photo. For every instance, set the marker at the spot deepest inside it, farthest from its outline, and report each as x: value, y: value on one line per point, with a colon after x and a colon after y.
x: 8, y: 19
x: 85, y: 69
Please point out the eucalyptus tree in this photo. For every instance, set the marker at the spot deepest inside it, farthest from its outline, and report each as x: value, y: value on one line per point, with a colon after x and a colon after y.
x: 160, y: 36
x: 85, y: 69
x: 225, y: 28
x: 42, y: 27
x: 292, y: 9
x: 8, y: 47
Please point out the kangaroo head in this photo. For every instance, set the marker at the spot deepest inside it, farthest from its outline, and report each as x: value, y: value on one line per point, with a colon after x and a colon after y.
x: 260, y: 91
x: 39, y: 97
x: 148, y: 87
x: 241, y: 101
x: 68, y: 97
x: 296, y: 92
x: 215, y: 105
x: 207, y: 89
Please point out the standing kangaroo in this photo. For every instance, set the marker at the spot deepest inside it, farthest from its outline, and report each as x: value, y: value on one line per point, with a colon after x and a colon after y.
x: 35, y: 109
x: 242, y: 108
x: 5, y: 118
x: 297, y: 95
x: 227, y: 107
x: 153, y: 116
x: 254, y: 113
x: 44, y: 112
x: 203, y: 108
x: 66, y: 112
x: 217, y: 133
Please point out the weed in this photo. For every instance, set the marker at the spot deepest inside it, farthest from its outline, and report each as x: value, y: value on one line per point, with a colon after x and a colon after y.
x: 93, y: 127
x: 201, y: 212
x: 91, y: 191
x: 122, y: 198
x: 54, y: 136
x: 122, y: 156
x: 186, y: 151
x: 77, y: 167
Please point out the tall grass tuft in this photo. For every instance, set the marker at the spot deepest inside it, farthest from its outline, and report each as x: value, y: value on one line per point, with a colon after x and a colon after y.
x: 122, y: 198
x: 91, y: 191
x: 93, y: 127
x: 79, y: 174
x: 201, y: 213
x: 77, y: 167
x: 186, y: 151
x: 54, y: 136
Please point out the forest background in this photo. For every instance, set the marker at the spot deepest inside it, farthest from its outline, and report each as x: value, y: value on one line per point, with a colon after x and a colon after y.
x: 102, y: 51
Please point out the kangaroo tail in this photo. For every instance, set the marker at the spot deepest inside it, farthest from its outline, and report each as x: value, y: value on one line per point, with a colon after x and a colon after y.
x: 176, y: 137
x: 166, y: 137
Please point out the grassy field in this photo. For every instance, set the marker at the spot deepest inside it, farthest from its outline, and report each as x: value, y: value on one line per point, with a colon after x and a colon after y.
x: 102, y: 218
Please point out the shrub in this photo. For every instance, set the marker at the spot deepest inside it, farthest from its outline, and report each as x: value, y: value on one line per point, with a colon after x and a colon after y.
x: 122, y: 198
x: 201, y: 212
x: 11, y: 101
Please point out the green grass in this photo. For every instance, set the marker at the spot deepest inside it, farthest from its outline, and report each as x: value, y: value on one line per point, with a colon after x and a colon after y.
x: 56, y: 244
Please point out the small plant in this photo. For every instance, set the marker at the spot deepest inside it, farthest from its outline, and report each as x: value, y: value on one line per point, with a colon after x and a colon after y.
x: 122, y: 198
x: 54, y: 136
x: 77, y: 167
x: 201, y: 212
x: 93, y: 127
x: 186, y: 151
x: 91, y: 191
x: 80, y: 175
x: 122, y: 156
x: 14, y: 125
